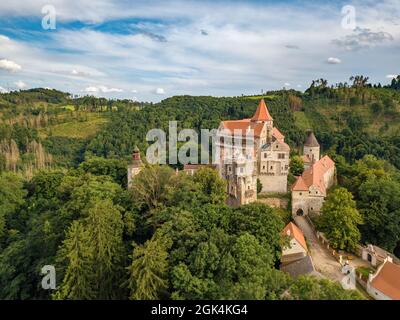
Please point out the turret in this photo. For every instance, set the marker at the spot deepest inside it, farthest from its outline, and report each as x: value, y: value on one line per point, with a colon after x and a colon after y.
x: 262, y: 115
x: 135, y: 166
x: 312, y: 147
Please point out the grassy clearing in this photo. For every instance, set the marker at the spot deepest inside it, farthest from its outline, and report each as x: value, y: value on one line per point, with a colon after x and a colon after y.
x: 69, y: 107
x: 270, y: 97
x: 75, y: 128
x: 301, y: 120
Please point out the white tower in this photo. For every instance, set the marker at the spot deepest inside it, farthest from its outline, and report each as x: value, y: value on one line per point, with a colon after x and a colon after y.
x: 312, y: 147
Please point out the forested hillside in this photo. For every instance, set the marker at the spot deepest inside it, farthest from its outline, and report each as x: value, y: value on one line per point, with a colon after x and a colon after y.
x: 64, y: 202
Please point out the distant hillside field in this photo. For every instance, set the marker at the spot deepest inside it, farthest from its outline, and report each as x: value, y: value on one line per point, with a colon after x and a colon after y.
x: 80, y: 129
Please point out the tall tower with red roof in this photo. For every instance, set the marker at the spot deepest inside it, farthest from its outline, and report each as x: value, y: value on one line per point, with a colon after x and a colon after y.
x: 269, y: 157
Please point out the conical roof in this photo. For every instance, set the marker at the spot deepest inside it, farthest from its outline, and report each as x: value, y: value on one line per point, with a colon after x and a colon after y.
x: 311, y: 140
x: 262, y: 113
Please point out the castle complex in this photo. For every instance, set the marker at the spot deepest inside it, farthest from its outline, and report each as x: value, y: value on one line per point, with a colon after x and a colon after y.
x: 268, y: 159
x: 263, y: 156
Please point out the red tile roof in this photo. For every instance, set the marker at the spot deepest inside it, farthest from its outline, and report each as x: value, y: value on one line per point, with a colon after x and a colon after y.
x: 294, y: 232
x: 243, y: 125
x: 262, y: 113
x: 387, y: 280
x: 277, y: 134
x: 300, y: 185
x: 314, y: 175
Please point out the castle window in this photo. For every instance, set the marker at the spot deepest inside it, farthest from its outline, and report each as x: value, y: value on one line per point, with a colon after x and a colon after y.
x: 248, y: 187
x: 265, y: 155
x: 241, y: 170
x: 301, y: 193
x: 272, y: 167
x: 263, y: 167
x: 281, y: 156
x: 277, y: 146
x: 286, y: 167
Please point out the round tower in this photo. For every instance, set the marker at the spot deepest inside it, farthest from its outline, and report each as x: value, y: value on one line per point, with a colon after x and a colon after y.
x: 312, y: 147
x: 135, y: 166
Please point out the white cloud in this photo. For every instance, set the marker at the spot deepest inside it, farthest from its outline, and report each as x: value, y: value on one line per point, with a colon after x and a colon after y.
x: 160, y: 91
x: 20, y: 84
x: 244, y: 52
x: 9, y: 65
x: 363, y: 38
x: 102, y: 89
x: 134, y: 91
x: 75, y: 72
x: 286, y: 84
x: 2, y: 90
x: 333, y: 60
x: 391, y: 76
x: 91, y: 89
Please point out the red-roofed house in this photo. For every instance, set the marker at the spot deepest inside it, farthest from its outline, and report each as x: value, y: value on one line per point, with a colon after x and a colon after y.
x: 264, y: 155
x: 385, y: 283
x: 309, y: 190
x: 297, y: 248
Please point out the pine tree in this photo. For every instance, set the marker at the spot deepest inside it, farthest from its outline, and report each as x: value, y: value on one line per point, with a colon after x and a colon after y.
x: 105, y: 228
x: 148, y: 271
x: 93, y: 254
x: 78, y: 281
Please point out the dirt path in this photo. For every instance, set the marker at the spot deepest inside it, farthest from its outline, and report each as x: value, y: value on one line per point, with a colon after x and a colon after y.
x: 323, y: 261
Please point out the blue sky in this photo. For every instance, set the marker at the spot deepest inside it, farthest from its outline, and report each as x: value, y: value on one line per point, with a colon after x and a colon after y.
x: 149, y: 50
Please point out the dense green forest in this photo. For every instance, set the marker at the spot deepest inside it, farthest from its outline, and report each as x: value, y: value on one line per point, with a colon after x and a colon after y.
x: 64, y: 201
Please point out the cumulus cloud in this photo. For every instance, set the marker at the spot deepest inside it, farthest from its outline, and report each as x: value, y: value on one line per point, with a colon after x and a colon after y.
x: 9, y: 65
x: 75, y: 72
x: 160, y: 91
x: 102, y: 89
x: 391, y: 76
x: 20, y: 84
x: 333, y: 60
x: 287, y: 84
x: 2, y: 90
x: 363, y: 38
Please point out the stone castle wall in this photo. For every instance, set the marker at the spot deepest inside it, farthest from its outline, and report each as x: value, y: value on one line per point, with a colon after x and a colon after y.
x: 273, y: 183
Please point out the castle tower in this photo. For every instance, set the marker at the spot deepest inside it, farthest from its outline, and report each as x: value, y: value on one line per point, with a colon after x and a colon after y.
x: 262, y: 115
x: 135, y: 166
x: 312, y: 147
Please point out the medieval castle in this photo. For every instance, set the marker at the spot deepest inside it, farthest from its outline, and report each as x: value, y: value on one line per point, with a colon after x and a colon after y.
x: 266, y: 162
